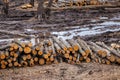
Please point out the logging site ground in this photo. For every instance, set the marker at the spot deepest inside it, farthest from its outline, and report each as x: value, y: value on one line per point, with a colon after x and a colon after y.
x: 88, y: 24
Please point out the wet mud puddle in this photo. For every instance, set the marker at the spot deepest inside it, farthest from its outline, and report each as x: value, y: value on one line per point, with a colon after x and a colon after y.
x: 111, y: 25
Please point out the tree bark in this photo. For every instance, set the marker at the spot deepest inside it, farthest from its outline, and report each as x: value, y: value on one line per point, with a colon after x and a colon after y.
x: 42, y: 13
x: 5, y: 7
x: 47, y: 11
x: 32, y: 2
x: 40, y: 10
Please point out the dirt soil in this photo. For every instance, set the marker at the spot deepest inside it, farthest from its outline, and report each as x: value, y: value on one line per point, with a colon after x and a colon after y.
x: 63, y: 71
x: 69, y: 22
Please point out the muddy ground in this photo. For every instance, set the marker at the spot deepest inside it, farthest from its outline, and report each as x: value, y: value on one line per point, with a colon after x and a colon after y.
x: 94, y: 25
x: 63, y: 71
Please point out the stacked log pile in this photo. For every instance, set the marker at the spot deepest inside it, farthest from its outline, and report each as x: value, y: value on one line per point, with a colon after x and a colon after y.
x: 54, y: 50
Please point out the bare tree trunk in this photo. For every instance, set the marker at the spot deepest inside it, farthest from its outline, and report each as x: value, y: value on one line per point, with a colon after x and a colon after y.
x: 5, y: 7
x: 32, y: 2
x: 42, y: 13
x: 47, y: 11
x: 40, y: 10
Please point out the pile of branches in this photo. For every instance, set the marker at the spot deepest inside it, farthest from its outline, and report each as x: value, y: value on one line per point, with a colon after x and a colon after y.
x: 54, y: 50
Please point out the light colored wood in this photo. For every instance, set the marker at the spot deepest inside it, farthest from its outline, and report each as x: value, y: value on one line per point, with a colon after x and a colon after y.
x: 53, y: 47
x: 108, y: 48
x: 41, y: 61
x: 60, y: 43
x: 57, y: 47
x: 2, y: 55
x: 27, y: 50
x: 73, y: 44
x: 68, y: 46
x: 85, y: 46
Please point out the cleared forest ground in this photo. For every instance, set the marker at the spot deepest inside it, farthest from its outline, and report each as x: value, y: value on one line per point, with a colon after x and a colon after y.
x: 93, y: 25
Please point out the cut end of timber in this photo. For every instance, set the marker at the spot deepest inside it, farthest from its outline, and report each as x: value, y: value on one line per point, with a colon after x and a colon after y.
x: 29, y: 56
x: 70, y: 57
x: 76, y: 48
x: 88, y: 60
x: 36, y: 59
x: 2, y: 56
x: 111, y: 58
x: 40, y: 52
x: 66, y: 55
x: 3, y: 66
x: 34, y: 52
x: 41, y: 61
x: 16, y: 64
x: 70, y: 49
x: 107, y: 62
x: 27, y: 50
x: 10, y: 65
x: 45, y: 56
x: 29, y: 44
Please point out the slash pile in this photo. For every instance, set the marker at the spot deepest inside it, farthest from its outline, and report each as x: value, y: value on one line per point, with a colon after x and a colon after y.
x: 54, y: 50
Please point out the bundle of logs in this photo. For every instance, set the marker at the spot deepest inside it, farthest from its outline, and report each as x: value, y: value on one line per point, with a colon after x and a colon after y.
x: 54, y: 50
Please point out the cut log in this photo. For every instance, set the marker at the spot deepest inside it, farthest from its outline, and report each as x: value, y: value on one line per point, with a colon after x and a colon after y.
x: 85, y: 46
x: 3, y: 66
x: 10, y: 65
x: 81, y: 51
x: 40, y: 52
x: 70, y: 57
x: 28, y: 56
x: 60, y: 43
x: 35, y: 59
x: 57, y: 47
x: 111, y: 58
x: 78, y: 59
x: 69, y: 47
x: 53, y: 47
x: 34, y: 52
x: 101, y: 51
x: 73, y: 44
x: 41, y: 61
x: 52, y: 58
x: 2, y: 55
x: 37, y: 48
x: 27, y: 50
x: 108, y: 48
x: 15, y: 64
x: 66, y: 55
x: 88, y: 60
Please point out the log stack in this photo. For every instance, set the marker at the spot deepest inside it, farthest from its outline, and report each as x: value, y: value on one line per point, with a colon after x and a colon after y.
x: 56, y: 50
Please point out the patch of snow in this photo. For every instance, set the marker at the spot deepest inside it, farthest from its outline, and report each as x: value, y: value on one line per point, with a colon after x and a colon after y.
x: 110, y: 23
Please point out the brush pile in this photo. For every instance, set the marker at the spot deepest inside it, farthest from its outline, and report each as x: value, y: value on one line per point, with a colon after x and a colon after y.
x: 54, y: 50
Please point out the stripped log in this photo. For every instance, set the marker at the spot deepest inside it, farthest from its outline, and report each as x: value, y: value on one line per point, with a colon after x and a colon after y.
x: 101, y: 51
x: 85, y: 46
x: 59, y: 43
x: 53, y: 47
x: 69, y: 47
x: 108, y: 48
x: 55, y: 51
x: 73, y: 44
